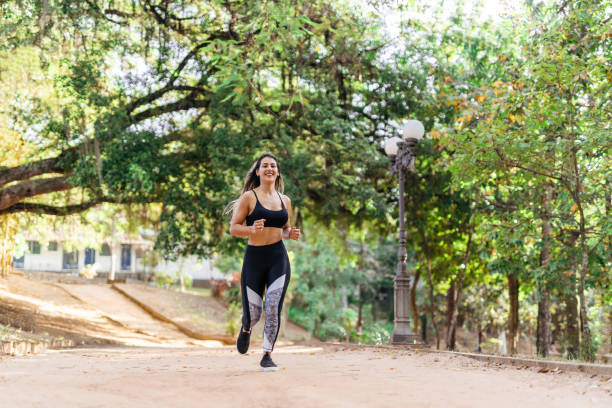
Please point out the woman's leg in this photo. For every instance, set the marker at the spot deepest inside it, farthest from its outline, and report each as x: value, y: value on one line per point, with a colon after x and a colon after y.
x: 277, y: 282
x: 252, y: 283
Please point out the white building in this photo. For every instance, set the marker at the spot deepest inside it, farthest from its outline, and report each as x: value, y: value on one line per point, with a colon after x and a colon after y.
x: 129, y: 261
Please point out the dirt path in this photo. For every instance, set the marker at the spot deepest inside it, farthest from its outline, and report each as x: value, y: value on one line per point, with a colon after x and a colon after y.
x: 309, y: 377
x: 158, y: 366
x: 204, y: 316
x: 87, y: 314
x: 121, y: 310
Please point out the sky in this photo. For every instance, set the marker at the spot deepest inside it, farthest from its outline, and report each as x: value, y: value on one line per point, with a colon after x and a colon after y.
x: 489, y: 10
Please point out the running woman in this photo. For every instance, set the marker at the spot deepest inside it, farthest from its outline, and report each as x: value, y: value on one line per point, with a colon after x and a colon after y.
x: 262, y: 214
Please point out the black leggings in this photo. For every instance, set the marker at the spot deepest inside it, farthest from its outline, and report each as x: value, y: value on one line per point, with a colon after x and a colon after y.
x: 264, y: 266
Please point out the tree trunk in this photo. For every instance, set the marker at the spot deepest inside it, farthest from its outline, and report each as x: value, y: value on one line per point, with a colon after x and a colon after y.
x: 42, y: 21
x: 375, y: 310
x: 479, y: 341
x: 513, y: 324
x: 432, y: 305
x: 556, y: 323
x: 8, y: 228
x: 113, y: 268
x: 413, y: 304
x: 588, y: 351
x: 466, y: 257
x: 571, y: 315
x: 113, y: 250
x: 431, y: 288
x: 359, y: 328
x: 181, y: 274
x: 543, y: 335
x: 450, y: 307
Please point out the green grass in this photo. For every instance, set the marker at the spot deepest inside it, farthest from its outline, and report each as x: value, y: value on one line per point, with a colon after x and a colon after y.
x: 8, y: 333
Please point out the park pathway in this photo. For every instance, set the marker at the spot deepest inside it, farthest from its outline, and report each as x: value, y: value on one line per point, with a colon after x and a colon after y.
x: 124, y: 312
x: 310, y: 376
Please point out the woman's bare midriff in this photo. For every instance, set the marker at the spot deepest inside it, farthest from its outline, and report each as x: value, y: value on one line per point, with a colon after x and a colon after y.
x: 269, y: 235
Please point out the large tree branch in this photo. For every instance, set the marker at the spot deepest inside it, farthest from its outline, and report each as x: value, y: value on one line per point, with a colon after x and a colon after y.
x: 161, y: 92
x: 186, y: 103
x: 164, y: 17
x: 15, y: 193
x: 103, y: 13
x: 518, y: 165
x: 175, y: 75
x: 29, y: 170
x: 500, y: 205
x: 11, y: 197
x: 38, y: 208
x: 119, y: 13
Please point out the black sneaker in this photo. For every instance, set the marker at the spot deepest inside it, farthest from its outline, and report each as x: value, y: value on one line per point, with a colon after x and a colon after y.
x: 267, y: 364
x: 242, y: 343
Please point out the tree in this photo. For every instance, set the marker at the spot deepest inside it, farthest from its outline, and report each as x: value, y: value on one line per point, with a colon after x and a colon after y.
x: 539, y: 122
x: 14, y: 143
x: 170, y: 102
x: 437, y: 215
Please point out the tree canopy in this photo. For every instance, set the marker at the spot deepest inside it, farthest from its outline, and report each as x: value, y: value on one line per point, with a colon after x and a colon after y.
x: 169, y: 102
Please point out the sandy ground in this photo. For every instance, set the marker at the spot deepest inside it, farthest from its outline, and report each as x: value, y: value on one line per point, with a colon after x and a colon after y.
x: 154, y: 365
x: 201, y: 314
x: 328, y: 376
x: 119, y: 309
x: 88, y: 314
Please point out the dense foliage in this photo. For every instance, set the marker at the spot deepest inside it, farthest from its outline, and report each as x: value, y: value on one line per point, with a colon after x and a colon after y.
x: 170, y: 102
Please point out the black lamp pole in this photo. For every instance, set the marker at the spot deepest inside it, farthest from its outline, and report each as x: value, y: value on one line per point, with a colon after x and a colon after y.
x: 402, y: 163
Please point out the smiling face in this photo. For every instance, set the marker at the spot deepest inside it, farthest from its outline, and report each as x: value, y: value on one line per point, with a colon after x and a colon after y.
x: 268, y: 170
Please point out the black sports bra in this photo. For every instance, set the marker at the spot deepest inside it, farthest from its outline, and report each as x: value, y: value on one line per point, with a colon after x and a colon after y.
x: 275, y: 219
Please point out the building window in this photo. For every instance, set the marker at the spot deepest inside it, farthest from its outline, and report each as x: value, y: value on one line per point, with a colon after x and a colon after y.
x: 90, y: 256
x: 71, y: 260
x: 34, y: 247
x: 52, y: 246
x: 105, y: 250
x: 126, y: 256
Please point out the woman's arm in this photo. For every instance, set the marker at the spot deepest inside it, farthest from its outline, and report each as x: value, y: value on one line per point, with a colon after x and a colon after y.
x: 288, y: 231
x: 237, y: 228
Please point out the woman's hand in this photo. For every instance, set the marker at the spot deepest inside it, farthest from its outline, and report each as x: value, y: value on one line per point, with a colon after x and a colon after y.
x: 257, y: 226
x: 294, y: 233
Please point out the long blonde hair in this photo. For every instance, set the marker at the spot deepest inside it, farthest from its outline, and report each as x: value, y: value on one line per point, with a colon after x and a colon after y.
x: 252, y: 181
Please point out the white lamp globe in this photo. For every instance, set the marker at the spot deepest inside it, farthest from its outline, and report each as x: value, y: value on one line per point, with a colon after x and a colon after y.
x: 413, y: 129
x: 391, y: 145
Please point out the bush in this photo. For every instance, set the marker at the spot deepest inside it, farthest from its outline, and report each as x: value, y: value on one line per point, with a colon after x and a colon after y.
x: 89, y: 271
x: 164, y: 281
x: 188, y: 281
x: 232, y: 296
x: 232, y: 319
x: 377, y: 333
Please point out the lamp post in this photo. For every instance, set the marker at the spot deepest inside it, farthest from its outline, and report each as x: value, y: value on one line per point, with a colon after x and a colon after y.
x: 401, y: 155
